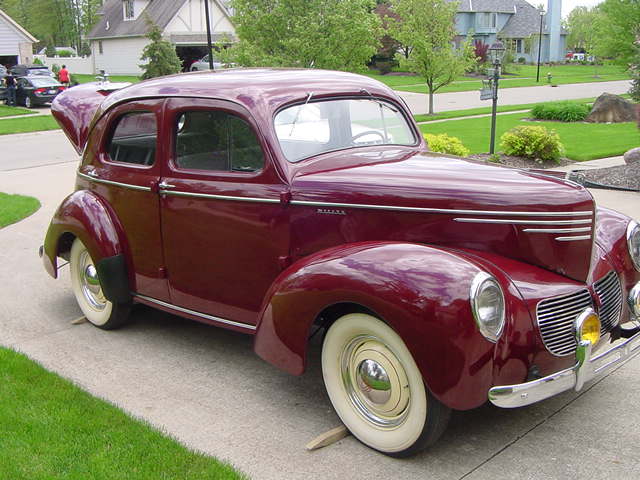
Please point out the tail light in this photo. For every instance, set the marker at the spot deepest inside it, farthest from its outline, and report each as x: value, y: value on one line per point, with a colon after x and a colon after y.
x: 62, y: 88
x: 40, y: 90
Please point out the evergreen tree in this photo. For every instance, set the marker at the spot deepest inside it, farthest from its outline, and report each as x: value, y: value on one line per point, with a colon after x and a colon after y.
x: 160, y: 56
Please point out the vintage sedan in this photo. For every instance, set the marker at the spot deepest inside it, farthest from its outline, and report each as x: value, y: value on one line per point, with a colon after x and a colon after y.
x: 279, y: 202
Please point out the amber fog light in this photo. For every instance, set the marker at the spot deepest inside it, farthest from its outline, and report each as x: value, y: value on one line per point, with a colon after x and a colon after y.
x: 634, y: 300
x: 588, y: 327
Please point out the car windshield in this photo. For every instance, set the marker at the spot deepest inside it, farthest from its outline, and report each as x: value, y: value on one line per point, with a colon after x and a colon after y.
x: 43, y: 82
x: 318, y: 127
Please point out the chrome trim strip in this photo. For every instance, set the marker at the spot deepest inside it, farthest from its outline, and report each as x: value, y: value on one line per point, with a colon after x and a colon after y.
x: 111, y: 182
x: 557, y: 230
x: 586, y: 368
x: 219, y: 197
x: 442, y: 210
x: 197, y: 314
x: 573, y: 239
x: 523, y: 222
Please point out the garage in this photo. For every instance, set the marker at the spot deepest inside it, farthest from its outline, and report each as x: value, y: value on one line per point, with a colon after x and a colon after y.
x: 16, y: 44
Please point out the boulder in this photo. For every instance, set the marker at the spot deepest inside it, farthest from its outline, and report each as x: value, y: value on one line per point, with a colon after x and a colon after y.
x: 610, y: 108
x: 632, y: 156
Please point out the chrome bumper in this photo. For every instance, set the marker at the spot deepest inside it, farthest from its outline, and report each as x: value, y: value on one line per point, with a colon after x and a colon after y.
x: 586, y: 368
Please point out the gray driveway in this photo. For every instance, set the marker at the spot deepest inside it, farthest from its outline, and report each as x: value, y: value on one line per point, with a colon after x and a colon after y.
x: 205, y: 386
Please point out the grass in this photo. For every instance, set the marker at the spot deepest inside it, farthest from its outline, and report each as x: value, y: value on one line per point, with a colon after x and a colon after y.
x: 50, y: 429
x: 86, y: 78
x: 582, y: 141
x: 524, y: 77
x: 28, y: 124
x: 14, y: 208
x: 6, y: 111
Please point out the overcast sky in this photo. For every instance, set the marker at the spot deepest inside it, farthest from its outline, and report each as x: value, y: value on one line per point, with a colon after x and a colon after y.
x: 568, y: 5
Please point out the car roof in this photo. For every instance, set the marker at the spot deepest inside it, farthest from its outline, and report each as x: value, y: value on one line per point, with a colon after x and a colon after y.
x: 260, y: 90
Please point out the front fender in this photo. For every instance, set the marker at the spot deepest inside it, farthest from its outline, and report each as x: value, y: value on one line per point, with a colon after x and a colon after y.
x: 86, y: 216
x: 421, y: 291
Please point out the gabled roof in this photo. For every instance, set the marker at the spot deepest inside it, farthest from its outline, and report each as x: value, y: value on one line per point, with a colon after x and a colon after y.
x: 500, y: 6
x: 14, y: 24
x: 524, y: 23
x: 160, y: 12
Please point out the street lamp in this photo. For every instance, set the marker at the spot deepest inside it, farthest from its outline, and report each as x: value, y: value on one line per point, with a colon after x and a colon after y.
x: 209, y: 46
x: 496, y: 52
x: 541, y: 12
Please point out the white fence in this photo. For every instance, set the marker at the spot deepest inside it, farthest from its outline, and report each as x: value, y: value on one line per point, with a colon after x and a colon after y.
x: 83, y: 65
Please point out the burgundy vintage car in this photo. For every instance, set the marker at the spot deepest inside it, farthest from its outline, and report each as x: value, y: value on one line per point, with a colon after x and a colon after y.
x: 280, y: 202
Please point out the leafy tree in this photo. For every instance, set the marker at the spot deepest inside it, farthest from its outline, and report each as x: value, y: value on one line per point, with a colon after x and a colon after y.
x: 634, y: 91
x: 616, y: 35
x: 582, y: 24
x: 428, y: 26
x: 160, y: 56
x: 334, y: 34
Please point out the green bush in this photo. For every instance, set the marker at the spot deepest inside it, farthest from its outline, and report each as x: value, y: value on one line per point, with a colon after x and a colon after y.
x: 65, y: 53
x: 55, y: 68
x: 443, y: 143
x: 535, y: 142
x: 561, y: 111
x: 37, y: 61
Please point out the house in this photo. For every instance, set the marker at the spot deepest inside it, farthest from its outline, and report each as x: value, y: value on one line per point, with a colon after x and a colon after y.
x: 517, y: 24
x: 16, y: 44
x: 118, y: 38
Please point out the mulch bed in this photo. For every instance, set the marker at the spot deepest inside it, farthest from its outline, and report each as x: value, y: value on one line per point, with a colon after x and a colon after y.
x: 519, y: 162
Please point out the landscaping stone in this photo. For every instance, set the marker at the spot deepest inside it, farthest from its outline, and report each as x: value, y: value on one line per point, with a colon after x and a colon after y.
x: 609, y: 108
x: 632, y: 156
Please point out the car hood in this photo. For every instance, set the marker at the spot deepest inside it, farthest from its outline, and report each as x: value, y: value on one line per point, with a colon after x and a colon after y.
x: 433, y: 198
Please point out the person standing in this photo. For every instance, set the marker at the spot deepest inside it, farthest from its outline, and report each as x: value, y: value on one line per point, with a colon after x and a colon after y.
x: 10, y: 82
x: 63, y: 76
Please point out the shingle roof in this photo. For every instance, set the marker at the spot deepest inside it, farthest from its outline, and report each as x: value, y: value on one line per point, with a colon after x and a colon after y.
x: 501, y: 6
x: 524, y: 23
x: 112, y: 23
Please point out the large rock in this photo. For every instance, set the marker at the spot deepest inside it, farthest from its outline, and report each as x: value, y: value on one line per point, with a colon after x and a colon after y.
x: 632, y: 156
x: 610, y: 108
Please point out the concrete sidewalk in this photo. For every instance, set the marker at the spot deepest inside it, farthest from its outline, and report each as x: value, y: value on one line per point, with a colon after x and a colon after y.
x: 443, y: 102
x: 206, y: 387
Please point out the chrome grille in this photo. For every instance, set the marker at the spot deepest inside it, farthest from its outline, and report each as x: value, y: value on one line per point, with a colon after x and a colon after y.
x: 556, y: 317
x: 609, y: 292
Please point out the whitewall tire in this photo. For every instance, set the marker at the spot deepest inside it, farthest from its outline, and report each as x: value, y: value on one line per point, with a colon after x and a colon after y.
x: 377, y: 389
x: 88, y: 291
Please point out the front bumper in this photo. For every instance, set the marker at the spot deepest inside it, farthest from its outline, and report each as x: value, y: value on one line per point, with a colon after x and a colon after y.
x: 586, y: 368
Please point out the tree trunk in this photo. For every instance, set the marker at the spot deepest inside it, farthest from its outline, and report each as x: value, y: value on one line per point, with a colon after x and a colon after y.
x: 430, y: 101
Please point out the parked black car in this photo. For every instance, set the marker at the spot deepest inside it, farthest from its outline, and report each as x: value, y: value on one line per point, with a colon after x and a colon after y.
x: 35, y: 90
x: 28, y: 70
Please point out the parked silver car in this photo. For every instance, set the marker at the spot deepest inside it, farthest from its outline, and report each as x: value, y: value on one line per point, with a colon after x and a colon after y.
x: 203, y: 64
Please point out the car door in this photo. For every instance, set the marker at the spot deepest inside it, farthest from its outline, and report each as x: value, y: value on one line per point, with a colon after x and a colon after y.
x: 123, y: 163
x: 225, y: 228
x: 22, y: 90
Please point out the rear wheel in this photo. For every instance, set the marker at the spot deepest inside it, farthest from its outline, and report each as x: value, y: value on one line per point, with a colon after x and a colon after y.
x: 377, y: 389
x: 27, y: 102
x: 88, y: 292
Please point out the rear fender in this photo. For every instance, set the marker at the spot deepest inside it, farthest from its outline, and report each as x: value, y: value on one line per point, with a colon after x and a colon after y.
x: 86, y: 216
x: 422, y: 292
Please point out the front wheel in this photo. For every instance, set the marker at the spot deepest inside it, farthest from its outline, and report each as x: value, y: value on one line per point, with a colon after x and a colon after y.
x: 88, y: 292
x: 377, y: 389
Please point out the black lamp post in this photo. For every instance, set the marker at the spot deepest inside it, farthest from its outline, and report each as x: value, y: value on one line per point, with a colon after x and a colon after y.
x: 541, y: 11
x: 496, y: 52
x: 209, y: 46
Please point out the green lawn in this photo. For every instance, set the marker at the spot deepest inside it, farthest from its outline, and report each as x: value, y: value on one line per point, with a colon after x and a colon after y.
x: 51, y: 429
x: 6, y: 111
x: 582, y: 141
x: 28, y: 124
x: 84, y: 78
x: 14, y: 208
x: 525, y: 77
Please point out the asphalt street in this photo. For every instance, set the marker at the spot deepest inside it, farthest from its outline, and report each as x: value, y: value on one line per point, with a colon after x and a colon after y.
x: 205, y: 386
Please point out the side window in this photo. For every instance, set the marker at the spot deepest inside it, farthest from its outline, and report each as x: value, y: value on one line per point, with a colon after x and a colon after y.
x: 218, y: 141
x: 134, y: 139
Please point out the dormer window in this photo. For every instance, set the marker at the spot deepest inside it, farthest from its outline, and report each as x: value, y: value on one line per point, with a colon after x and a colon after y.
x: 486, y: 19
x: 127, y: 8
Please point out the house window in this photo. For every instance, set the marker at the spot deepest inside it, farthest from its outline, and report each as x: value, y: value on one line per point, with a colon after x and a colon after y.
x: 486, y: 19
x: 516, y: 45
x: 100, y: 50
x: 127, y: 6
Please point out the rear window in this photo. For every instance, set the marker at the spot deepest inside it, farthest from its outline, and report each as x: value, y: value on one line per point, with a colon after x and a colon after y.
x: 134, y: 139
x: 44, y: 82
x: 38, y: 71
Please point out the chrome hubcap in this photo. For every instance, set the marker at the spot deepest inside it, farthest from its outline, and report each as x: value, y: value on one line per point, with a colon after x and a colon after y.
x: 375, y: 381
x: 90, y: 283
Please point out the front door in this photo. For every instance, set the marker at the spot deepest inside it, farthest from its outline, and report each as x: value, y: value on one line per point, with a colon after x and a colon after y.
x: 225, y: 230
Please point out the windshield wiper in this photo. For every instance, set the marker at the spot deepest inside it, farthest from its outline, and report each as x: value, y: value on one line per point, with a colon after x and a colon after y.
x: 295, y: 119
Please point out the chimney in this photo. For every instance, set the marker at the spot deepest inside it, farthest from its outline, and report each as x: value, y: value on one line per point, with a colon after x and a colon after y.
x: 553, y: 23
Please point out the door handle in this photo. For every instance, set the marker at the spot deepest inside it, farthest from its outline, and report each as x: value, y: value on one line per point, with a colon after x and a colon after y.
x: 92, y: 174
x: 165, y: 186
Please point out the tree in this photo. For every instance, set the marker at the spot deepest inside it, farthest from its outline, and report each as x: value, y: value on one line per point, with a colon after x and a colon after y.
x: 333, y: 34
x: 582, y: 24
x: 634, y: 68
x: 428, y: 26
x: 616, y: 36
x: 160, y: 56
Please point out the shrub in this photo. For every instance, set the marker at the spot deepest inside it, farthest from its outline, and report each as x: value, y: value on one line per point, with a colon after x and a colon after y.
x: 37, y: 61
x: 443, y: 143
x: 535, y: 142
x: 50, y: 50
x: 561, y: 111
x: 55, y: 68
x: 65, y: 53
x: 522, y: 60
x: 160, y: 56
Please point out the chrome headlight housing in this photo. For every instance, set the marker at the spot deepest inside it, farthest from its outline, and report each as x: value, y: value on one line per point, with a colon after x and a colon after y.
x: 488, y: 306
x: 633, y: 243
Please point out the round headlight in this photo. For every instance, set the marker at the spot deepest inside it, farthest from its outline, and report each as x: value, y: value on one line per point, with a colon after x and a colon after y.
x: 633, y: 242
x: 487, y: 305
